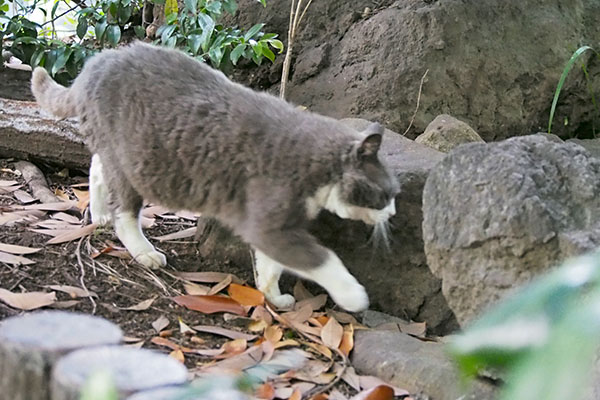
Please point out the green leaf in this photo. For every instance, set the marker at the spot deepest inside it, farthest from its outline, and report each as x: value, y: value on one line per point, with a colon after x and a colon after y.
x: 263, y: 2
x: 37, y: 57
x: 214, y: 7
x: 113, y: 9
x: 140, y: 32
x: 268, y: 36
x: 230, y: 6
x: 113, y: 34
x: 54, y: 7
x: 561, y: 81
x: 124, y: 14
x: 25, y: 40
x: 82, y: 27
x: 171, y: 7
x: 194, y: 41
x: 100, y: 29
x: 207, y: 24
x: 171, y: 42
x: 266, y: 51
x: 216, y: 55
x: 253, y: 31
x: 63, y: 55
x: 171, y: 19
x: 167, y: 32
x: 277, y: 44
x: 192, y: 6
x: 237, y: 53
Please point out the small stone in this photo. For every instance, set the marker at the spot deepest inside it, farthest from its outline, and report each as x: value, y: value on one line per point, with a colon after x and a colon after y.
x: 446, y: 132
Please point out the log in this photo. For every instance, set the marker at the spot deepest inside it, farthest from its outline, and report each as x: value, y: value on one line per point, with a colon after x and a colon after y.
x: 28, y: 133
x: 131, y: 370
x: 37, y: 182
x: 31, y: 344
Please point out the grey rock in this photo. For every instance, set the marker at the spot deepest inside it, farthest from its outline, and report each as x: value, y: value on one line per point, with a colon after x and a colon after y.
x: 413, y: 365
x: 446, y: 132
x: 481, y: 70
x: 373, y: 319
x: 591, y: 145
x: 496, y: 215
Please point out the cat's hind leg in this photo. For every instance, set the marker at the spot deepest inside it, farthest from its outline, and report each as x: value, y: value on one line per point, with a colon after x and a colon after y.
x: 268, y: 272
x: 126, y: 204
x: 99, y: 209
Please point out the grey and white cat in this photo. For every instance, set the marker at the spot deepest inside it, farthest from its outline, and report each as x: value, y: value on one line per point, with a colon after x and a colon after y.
x: 169, y: 129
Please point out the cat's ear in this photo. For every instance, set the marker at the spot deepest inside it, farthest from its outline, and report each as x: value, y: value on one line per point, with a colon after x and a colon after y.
x: 370, y: 145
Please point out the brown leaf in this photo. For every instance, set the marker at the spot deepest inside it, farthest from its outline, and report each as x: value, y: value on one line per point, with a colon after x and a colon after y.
x: 221, y: 285
x: 343, y: 318
x: 73, y: 235
x: 320, y: 349
x: 23, y: 196
x: 286, y: 343
x: 60, y: 206
x: 217, y: 330
x: 72, y: 291
x: 347, y: 343
x: 315, y: 303
x: 261, y: 313
x: 141, y: 306
x: 182, y: 234
x: 178, y: 355
x: 161, y: 323
x: 370, y: 382
x: 299, y: 316
x: 64, y: 304
x: 210, y: 304
x: 245, y: 295
x: 273, y: 333
x: 14, y: 249
x: 7, y: 183
x: 258, y: 325
x: 83, y: 198
x: 300, y: 292
x: 184, y: 328
x: 381, y: 392
x: 14, y: 260
x: 207, y: 277
x: 296, y: 395
x: 28, y: 300
x: 332, y: 333
x: 234, y: 347
x: 265, y: 391
x: 195, y: 289
x: 351, y: 378
x: 71, y: 219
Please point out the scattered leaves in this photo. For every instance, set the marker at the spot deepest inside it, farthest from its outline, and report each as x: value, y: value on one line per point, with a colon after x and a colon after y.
x: 73, y: 234
x: 246, y: 295
x: 141, y: 306
x: 161, y: 323
x: 210, y: 304
x: 13, y: 249
x: 72, y: 291
x: 27, y: 301
x: 14, y: 260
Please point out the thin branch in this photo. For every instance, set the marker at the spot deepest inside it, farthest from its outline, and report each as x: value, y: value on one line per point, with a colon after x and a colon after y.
x: 58, y: 16
x: 418, y: 101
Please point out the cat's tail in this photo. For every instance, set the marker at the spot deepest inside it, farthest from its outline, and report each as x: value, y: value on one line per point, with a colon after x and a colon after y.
x: 52, y: 97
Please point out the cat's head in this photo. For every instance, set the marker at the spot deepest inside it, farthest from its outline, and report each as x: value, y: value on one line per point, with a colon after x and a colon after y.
x: 367, y: 189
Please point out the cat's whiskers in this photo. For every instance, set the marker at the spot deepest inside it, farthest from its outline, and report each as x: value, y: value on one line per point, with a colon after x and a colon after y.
x: 381, y: 235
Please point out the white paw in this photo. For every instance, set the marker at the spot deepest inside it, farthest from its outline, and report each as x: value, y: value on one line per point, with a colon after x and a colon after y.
x: 282, y: 301
x: 353, y: 298
x: 152, y: 259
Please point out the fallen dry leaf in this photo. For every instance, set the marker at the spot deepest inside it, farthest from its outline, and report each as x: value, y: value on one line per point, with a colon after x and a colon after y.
x: 258, y: 325
x: 7, y: 183
x: 332, y: 333
x: 246, y: 295
x: 235, y: 347
x: 370, y: 382
x: 217, y: 330
x: 351, y: 378
x: 83, y: 198
x: 195, y: 289
x: 381, y: 392
x: 161, y: 323
x: 14, y: 260
x: 273, y: 333
x: 23, y: 196
x: 347, y: 343
x: 265, y: 391
x: 299, y: 316
x: 14, y: 249
x: 286, y: 343
x: 315, y: 303
x: 300, y: 292
x: 210, y: 304
x: 71, y: 219
x: 207, y: 277
x: 182, y: 234
x: 72, y: 291
x: 178, y: 355
x: 60, y: 206
x: 221, y: 285
x: 64, y: 304
x: 73, y: 235
x: 141, y: 306
x: 184, y: 328
x: 261, y: 313
x: 27, y: 301
x: 296, y: 395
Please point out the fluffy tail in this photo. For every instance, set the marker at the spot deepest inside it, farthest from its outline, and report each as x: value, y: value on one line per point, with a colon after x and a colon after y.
x: 52, y: 97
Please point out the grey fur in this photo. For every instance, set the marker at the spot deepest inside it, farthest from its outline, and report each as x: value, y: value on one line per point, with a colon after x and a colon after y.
x: 175, y: 132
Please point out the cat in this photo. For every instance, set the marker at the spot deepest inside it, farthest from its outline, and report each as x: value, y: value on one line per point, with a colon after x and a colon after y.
x: 167, y: 128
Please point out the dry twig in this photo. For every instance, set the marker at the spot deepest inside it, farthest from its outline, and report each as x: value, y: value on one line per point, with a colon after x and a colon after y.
x: 418, y: 101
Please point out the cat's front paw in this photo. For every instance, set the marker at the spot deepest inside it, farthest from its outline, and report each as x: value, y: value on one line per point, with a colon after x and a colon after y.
x: 282, y: 301
x: 353, y: 298
x: 152, y: 259
x: 101, y: 219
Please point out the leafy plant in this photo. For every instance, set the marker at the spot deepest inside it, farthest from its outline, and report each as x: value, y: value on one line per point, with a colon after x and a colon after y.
x: 196, y: 31
x: 545, y: 337
x: 563, y: 77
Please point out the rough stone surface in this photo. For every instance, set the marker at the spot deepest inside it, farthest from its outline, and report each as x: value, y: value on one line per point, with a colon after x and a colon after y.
x: 14, y: 84
x: 495, y: 68
x: 414, y: 365
x: 591, y: 145
x: 446, y: 132
x: 496, y: 215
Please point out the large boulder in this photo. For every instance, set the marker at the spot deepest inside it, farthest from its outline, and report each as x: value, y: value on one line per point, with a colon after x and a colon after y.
x: 495, y: 67
x: 446, y: 132
x: 496, y: 215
